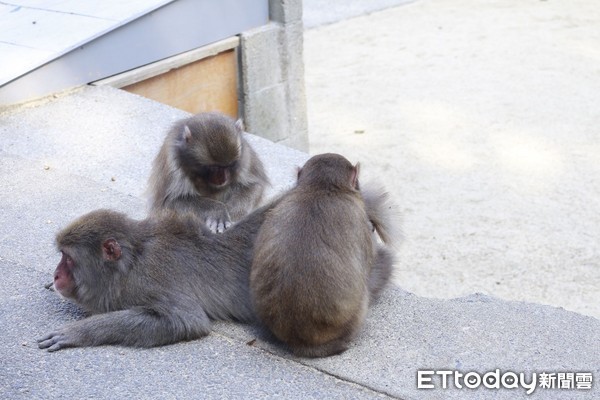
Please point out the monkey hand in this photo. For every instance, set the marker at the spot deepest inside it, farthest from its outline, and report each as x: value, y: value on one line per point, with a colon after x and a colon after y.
x: 217, y: 219
x: 59, y: 340
x: 217, y: 225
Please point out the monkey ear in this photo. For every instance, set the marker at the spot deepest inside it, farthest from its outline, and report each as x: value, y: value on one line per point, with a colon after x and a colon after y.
x: 354, y: 178
x: 240, y: 124
x: 187, y: 134
x: 111, y: 250
x: 298, y: 172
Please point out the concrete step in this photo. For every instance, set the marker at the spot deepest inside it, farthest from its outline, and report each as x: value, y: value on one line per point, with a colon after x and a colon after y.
x: 93, y: 148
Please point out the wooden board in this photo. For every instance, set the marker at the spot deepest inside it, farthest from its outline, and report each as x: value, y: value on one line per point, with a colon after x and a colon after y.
x: 209, y: 84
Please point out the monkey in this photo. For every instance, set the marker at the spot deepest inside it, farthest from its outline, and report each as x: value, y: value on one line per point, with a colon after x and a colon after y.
x: 317, y: 263
x: 154, y: 281
x: 206, y: 164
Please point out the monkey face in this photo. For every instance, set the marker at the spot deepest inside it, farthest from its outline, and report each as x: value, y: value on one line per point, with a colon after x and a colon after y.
x: 214, y: 177
x: 91, y: 257
x: 64, y: 282
x: 219, y: 176
x: 82, y: 268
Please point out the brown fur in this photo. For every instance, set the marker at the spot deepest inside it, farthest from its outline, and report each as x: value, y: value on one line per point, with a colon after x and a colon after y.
x: 316, y: 265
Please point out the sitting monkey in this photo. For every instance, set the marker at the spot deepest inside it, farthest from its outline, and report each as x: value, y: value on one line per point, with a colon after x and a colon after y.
x: 206, y: 165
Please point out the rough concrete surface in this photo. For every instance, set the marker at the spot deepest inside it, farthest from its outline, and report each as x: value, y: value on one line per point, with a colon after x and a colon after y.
x: 93, y: 148
x: 483, y: 117
x: 405, y: 333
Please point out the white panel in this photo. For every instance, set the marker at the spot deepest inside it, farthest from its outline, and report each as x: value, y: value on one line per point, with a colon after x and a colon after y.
x: 16, y: 59
x: 51, y: 28
x: 117, y: 10
x: 48, y: 30
x: 175, y: 28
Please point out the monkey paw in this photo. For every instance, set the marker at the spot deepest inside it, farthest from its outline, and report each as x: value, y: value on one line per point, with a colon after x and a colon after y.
x: 55, y: 341
x: 217, y: 225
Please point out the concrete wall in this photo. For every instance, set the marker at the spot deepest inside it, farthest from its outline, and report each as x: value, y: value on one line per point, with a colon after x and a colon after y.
x: 273, y: 102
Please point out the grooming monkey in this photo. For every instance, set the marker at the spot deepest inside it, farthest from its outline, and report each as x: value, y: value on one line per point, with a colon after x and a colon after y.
x: 151, y: 282
x: 206, y: 165
x: 317, y: 264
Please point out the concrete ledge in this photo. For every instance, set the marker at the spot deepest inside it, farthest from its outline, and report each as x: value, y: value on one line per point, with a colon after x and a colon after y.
x: 57, y: 160
x: 405, y: 333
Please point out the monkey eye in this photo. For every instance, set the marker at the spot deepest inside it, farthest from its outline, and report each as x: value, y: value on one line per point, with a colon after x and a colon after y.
x: 68, y: 260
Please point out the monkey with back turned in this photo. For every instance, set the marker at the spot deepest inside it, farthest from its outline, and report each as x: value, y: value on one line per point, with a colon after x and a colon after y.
x: 206, y: 165
x: 151, y: 282
x: 317, y: 265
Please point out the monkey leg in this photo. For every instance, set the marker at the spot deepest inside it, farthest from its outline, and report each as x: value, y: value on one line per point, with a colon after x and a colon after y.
x: 346, y: 332
x: 137, y: 327
x: 324, y: 350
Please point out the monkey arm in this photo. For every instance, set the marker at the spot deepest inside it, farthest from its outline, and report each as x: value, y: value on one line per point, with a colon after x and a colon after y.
x: 136, y: 327
x: 243, y: 199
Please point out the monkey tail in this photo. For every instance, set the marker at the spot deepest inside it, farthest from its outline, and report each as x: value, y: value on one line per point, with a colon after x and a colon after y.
x: 383, y: 214
x: 381, y: 273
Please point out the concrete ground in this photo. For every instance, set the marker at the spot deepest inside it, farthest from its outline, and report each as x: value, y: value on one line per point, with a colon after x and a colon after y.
x: 93, y: 147
x: 483, y: 119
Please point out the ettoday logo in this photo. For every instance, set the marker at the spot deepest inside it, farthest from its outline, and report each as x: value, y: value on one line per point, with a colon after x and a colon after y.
x: 496, y: 379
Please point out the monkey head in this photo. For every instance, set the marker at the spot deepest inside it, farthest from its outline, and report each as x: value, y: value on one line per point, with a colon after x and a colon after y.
x: 209, y: 151
x: 91, y: 256
x: 329, y: 170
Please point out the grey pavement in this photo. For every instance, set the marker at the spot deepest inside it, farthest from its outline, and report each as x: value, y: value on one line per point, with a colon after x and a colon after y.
x: 93, y: 148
